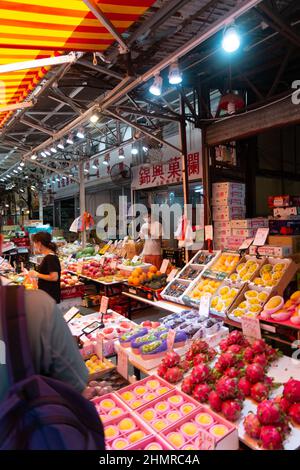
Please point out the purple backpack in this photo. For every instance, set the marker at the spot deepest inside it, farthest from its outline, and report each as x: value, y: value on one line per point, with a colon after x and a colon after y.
x: 39, y: 413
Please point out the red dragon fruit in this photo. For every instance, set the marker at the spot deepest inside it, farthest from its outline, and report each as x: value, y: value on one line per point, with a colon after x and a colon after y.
x: 174, y: 375
x: 235, y: 349
x: 231, y: 409
x: 259, y: 391
x: 283, y: 403
x: 248, y: 355
x: 227, y: 388
x: 260, y: 359
x: 232, y: 372
x: 269, y: 412
x: 291, y: 391
x: 271, y: 353
x: 259, y: 346
x: 245, y: 386
x: 294, y: 412
x: 235, y: 337
x: 200, y: 373
x: 162, y: 370
x: 271, y: 438
x: 211, y: 354
x: 171, y: 359
x: 199, y: 346
x: 223, y: 345
x: 189, y: 356
x: 200, y: 358
x: 252, y: 426
x: 187, y: 385
x: 201, y: 392
x: 215, y: 401
x: 255, y: 373
x: 184, y: 365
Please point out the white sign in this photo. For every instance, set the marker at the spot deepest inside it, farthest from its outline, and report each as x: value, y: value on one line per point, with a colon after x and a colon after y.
x: 261, y: 236
x: 170, y: 339
x: 164, y: 266
x: 99, y: 347
x: 104, y: 304
x: 158, y: 174
x: 71, y: 314
x: 102, y: 261
x: 204, y: 305
x: 122, y: 366
x: 251, y: 327
x: 209, y: 232
x: 135, y: 259
x: 246, y: 243
x: 172, y: 274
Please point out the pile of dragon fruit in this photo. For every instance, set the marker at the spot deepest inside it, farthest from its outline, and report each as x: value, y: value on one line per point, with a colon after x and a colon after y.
x: 270, y: 424
x: 240, y: 372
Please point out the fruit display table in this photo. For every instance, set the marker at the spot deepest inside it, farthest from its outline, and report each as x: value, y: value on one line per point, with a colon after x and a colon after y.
x: 161, y: 304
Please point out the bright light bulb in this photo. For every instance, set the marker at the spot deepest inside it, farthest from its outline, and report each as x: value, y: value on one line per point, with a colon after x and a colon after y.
x: 80, y: 134
x: 61, y: 145
x: 43, y: 154
x: 94, y: 118
x: 22, y: 164
x: 134, y: 151
x: 175, y: 76
x: 47, y: 153
x: 105, y: 162
x: 33, y: 157
x: 145, y: 148
x: 70, y: 140
x: 231, y: 40
x: 53, y: 150
x: 156, y: 86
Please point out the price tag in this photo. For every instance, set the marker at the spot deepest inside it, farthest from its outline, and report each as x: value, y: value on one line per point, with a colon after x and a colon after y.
x: 122, y: 366
x: 261, y: 236
x: 246, y: 243
x: 164, y: 266
x: 102, y: 261
x: 135, y: 259
x: 205, y: 440
x: 251, y: 327
x: 208, y: 232
x: 70, y: 314
x: 114, y: 264
x: 170, y: 339
x: 104, y: 304
x: 96, y: 248
x: 99, y: 347
x: 172, y: 274
x: 204, y: 305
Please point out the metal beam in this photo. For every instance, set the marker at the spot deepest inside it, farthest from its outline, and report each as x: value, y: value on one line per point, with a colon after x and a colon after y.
x: 280, y: 71
x: 36, y: 126
x: 52, y: 170
x: 143, y: 130
x: 98, y: 68
x: 277, y: 114
x: 275, y: 21
x: 142, y: 112
x: 94, y: 7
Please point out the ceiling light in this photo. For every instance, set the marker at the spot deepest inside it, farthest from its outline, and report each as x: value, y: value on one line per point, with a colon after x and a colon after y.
x: 22, y: 164
x: 31, y: 64
x: 20, y: 168
x: 33, y: 188
x: 8, y: 176
x: 53, y: 150
x: 61, y: 145
x: 145, y: 148
x: 15, y: 171
x: 70, y: 140
x: 43, y: 154
x: 134, y: 151
x: 2, y: 180
x: 156, y: 86
x: 47, y: 153
x: 33, y: 157
x: 121, y: 154
x: 21, y: 190
x: 26, y: 177
x: 80, y: 134
x: 105, y: 162
x: 6, y: 205
x: 175, y: 76
x: 94, y: 118
x: 231, y: 40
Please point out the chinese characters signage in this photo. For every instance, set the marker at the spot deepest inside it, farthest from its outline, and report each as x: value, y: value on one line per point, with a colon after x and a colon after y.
x: 158, y: 174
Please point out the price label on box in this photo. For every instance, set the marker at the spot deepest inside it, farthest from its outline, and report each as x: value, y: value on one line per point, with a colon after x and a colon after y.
x: 206, y: 440
x: 204, y: 305
x: 261, y: 236
x: 164, y: 266
x: 71, y: 314
x: 208, y: 232
x: 99, y: 347
x: 122, y: 366
x: 251, y: 327
x: 170, y: 339
x: 104, y: 304
x: 172, y: 274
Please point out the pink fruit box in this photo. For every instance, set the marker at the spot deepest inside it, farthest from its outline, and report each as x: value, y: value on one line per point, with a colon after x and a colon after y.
x: 125, y: 434
x: 143, y: 398
x: 171, y: 407
x: 105, y: 414
x: 229, y: 441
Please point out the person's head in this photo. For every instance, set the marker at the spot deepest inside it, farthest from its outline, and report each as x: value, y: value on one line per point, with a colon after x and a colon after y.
x: 43, y: 241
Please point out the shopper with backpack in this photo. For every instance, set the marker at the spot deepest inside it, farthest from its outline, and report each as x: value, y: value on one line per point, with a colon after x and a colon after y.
x: 42, y: 379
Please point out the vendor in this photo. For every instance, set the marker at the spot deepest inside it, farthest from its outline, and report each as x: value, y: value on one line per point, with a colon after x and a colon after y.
x: 151, y: 232
x: 49, y: 270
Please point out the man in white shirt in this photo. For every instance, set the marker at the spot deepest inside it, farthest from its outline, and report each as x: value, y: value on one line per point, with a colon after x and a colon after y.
x: 151, y: 232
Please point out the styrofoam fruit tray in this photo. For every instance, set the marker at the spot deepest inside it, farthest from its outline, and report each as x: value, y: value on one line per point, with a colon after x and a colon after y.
x: 126, y: 433
x: 130, y: 397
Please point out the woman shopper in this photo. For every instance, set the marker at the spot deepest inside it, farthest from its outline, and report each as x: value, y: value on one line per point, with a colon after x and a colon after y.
x: 49, y: 270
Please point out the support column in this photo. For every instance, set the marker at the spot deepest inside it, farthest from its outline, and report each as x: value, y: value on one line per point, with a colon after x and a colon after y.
x: 41, y: 209
x: 82, y: 199
x: 184, y: 160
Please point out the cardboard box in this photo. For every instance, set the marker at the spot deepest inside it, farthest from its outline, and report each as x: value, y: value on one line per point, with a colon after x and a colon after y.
x: 228, y: 213
x: 285, y: 212
x: 222, y: 225
x: 244, y: 232
x: 229, y: 186
x: 229, y: 202
x: 222, y: 232
x: 285, y: 226
x: 283, y: 201
x: 227, y: 194
x: 292, y: 241
x: 259, y: 222
x: 270, y: 250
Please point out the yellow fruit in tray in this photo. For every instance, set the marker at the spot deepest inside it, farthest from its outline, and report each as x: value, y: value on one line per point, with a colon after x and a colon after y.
x: 251, y: 294
x: 279, y: 267
x: 228, y: 302
x: 276, y: 276
x: 258, y: 281
x: 233, y: 277
x: 262, y: 296
x: 267, y: 268
x: 243, y: 305
x: 214, y: 302
x: 240, y: 267
x: 220, y: 307
x: 267, y: 276
x: 255, y: 308
x: 246, y: 277
x: 224, y: 290
x: 253, y: 301
x: 243, y: 272
x: 238, y: 312
x: 295, y: 296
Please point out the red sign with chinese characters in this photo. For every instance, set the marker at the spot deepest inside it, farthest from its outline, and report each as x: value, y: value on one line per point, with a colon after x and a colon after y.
x: 158, y: 174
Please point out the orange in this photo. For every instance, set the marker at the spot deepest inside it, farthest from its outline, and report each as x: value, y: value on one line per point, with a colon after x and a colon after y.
x: 150, y: 276
x: 136, y: 281
x: 153, y: 269
x: 158, y: 273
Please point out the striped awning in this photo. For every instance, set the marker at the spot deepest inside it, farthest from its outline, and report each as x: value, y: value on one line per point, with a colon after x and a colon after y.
x: 33, y: 29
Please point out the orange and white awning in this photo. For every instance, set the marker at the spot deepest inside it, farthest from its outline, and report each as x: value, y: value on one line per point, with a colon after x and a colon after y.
x: 33, y: 29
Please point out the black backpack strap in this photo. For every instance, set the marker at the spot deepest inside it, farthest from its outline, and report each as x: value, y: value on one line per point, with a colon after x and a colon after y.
x: 14, y: 324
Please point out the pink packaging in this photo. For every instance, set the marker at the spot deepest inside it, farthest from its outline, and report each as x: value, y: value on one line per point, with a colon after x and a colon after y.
x: 260, y: 222
x: 105, y: 415
x: 222, y: 225
x: 249, y: 223
x: 268, y: 250
x: 222, y: 232
x: 228, y: 202
x: 228, y: 194
x: 139, y: 426
x: 244, y: 232
x: 143, y: 445
x: 229, y: 185
x: 140, y: 398
x: 228, y: 213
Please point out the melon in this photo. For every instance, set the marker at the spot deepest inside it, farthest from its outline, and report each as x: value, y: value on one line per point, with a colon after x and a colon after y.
x: 274, y: 304
x: 281, y: 315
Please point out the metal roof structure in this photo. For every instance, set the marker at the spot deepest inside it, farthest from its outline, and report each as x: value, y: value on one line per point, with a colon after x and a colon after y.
x: 117, y: 85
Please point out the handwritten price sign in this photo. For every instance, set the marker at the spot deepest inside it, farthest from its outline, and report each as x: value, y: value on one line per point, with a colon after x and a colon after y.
x: 104, y: 304
x: 171, y: 339
x: 205, y: 440
x: 251, y: 327
x: 122, y: 366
